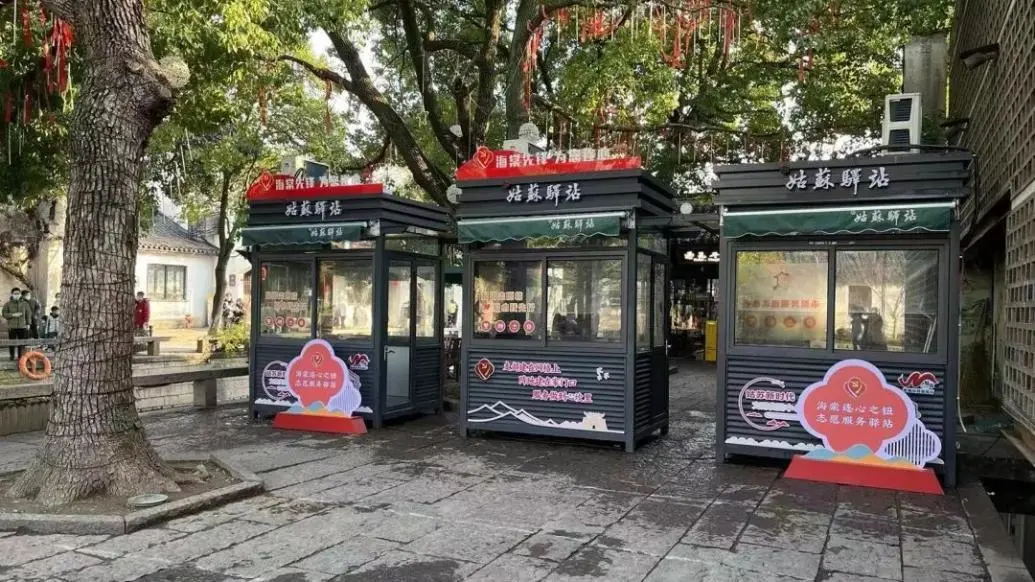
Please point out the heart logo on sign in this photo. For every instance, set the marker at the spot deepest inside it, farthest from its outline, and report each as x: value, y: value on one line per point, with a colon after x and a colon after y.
x: 855, y: 387
x: 484, y: 369
x: 317, y: 360
x: 266, y: 181
x: 484, y: 156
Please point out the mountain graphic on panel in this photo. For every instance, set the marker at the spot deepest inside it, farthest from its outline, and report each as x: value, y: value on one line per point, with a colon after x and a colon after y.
x: 593, y: 421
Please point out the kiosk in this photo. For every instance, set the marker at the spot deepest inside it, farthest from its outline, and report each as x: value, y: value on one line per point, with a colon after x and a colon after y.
x: 357, y: 267
x: 838, y: 333
x: 565, y: 293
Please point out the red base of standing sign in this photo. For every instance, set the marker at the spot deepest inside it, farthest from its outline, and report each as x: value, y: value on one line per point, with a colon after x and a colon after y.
x: 899, y: 479
x: 318, y: 423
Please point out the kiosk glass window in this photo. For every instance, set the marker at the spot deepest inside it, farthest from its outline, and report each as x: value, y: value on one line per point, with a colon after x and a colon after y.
x: 399, y: 276
x: 781, y: 298
x: 643, y: 304
x: 286, y: 294
x: 659, y: 305
x: 508, y: 301
x: 414, y: 244
x: 345, y: 303
x: 426, y: 287
x: 886, y: 300
x: 584, y: 300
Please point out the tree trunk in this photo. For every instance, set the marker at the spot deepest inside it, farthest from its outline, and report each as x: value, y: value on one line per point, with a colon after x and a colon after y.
x: 225, y: 248
x: 95, y: 442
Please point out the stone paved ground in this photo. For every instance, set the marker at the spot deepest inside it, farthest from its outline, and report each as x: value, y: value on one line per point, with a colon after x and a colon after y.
x: 416, y: 502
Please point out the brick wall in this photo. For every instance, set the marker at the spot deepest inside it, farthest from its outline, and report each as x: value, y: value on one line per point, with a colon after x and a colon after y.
x: 998, y: 97
x: 999, y: 100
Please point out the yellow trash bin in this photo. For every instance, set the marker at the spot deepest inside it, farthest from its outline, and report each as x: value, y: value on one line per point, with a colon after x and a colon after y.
x: 711, y: 343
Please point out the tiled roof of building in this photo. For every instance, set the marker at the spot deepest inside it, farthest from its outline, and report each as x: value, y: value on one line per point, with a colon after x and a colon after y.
x: 165, y: 236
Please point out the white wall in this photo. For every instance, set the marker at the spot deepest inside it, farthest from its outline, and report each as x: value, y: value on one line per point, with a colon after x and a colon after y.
x: 200, y: 285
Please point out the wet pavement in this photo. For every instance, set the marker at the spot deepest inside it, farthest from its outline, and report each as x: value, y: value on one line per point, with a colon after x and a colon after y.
x: 417, y: 502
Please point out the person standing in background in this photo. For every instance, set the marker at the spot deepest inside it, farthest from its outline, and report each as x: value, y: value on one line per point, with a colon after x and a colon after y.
x: 141, y: 314
x: 34, y: 321
x: 52, y: 324
x: 17, y: 314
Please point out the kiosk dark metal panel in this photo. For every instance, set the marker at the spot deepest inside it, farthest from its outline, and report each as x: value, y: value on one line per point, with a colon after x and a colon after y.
x: 794, y: 239
x: 384, y: 252
x: 559, y: 335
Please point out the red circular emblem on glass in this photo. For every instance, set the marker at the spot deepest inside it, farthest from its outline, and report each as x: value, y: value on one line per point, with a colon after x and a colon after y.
x: 529, y: 327
x: 789, y: 322
x: 770, y: 321
x: 750, y: 321
x: 269, y: 322
x: 291, y: 322
x: 280, y: 321
x: 810, y: 322
x: 485, y: 326
x: 514, y: 326
x: 500, y: 326
x: 301, y: 322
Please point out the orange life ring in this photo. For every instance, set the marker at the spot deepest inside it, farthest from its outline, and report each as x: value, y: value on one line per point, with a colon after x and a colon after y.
x: 34, y: 357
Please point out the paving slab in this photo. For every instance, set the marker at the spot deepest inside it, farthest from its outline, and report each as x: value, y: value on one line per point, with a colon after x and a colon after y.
x: 862, y: 558
x: 596, y: 563
x: 467, y: 542
x: 553, y: 545
x: 416, y: 502
x: 513, y: 568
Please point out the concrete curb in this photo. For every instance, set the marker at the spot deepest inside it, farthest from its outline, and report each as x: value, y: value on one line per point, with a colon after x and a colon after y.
x: 997, y: 549
x: 42, y: 523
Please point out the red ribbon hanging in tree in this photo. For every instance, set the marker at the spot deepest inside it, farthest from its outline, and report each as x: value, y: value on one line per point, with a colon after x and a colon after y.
x: 26, y: 26
x: 27, y: 108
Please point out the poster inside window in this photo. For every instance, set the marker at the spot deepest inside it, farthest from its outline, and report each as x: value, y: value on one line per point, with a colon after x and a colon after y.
x: 781, y: 298
x: 886, y: 300
x: 508, y: 300
x: 585, y: 300
x: 286, y: 291
x: 345, y: 300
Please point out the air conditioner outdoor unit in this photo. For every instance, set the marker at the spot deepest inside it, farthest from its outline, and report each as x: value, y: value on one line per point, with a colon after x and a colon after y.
x: 902, y: 120
x: 291, y: 165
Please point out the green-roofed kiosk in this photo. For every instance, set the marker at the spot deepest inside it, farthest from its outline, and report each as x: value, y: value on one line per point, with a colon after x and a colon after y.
x: 566, y: 273
x: 355, y: 266
x: 840, y: 300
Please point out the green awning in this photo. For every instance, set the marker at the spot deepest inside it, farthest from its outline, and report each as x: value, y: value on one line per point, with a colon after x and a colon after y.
x: 891, y: 219
x: 302, y: 234
x: 567, y: 226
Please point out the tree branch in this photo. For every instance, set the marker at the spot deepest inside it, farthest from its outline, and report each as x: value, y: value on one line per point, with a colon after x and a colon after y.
x: 429, y: 177
x: 377, y: 159
x: 322, y: 73
x: 421, y: 68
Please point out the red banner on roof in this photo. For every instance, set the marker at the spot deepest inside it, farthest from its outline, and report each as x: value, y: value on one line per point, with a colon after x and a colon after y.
x: 270, y: 187
x: 488, y: 164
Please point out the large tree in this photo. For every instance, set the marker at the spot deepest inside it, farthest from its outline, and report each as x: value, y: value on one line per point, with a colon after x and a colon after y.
x: 95, y: 441
x: 682, y: 82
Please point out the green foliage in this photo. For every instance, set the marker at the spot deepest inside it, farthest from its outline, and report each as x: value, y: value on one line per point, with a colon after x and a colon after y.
x: 233, y: 339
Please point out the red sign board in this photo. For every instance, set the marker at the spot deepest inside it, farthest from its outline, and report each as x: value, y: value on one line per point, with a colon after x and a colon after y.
x: 271, y: 187
x: 488, y: 164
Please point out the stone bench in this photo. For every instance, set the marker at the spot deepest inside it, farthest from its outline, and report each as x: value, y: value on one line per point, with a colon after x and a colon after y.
x: 23, y: 407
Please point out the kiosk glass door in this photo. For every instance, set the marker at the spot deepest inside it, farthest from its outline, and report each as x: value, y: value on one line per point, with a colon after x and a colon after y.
x: 401, y: 332
x: 660, y: 340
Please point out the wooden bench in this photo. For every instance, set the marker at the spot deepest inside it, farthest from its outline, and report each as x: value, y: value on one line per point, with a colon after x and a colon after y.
x: 154, y: 344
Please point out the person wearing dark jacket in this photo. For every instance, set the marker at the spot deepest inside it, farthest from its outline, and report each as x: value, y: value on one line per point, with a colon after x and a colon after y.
x: 17, y: 314
x: 34, y: 306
